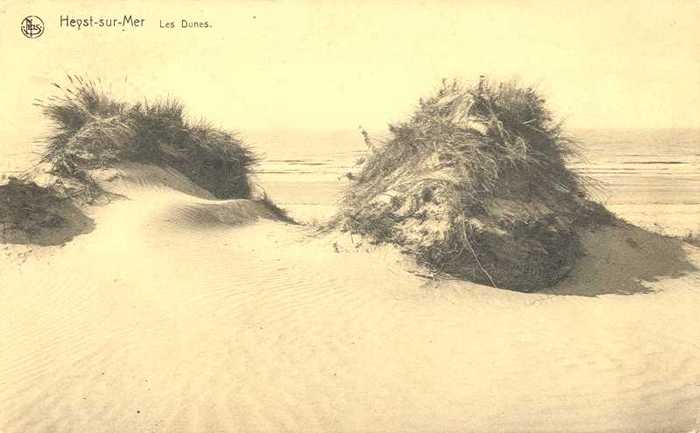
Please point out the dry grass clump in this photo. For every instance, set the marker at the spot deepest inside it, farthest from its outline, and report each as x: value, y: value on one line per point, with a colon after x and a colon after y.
x: 92, y: 130
x: 474, y: 184
x: 32, y: 214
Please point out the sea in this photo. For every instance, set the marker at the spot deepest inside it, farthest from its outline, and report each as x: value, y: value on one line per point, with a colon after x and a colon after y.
x: 650, y: 177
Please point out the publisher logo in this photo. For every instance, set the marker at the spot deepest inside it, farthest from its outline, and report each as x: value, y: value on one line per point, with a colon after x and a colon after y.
x: 32, y: 27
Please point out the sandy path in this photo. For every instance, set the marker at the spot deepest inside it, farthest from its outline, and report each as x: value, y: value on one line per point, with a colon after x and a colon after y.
x: 150, y: 324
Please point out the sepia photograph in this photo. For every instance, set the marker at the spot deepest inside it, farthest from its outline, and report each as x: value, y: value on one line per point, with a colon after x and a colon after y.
x: 350, y: 216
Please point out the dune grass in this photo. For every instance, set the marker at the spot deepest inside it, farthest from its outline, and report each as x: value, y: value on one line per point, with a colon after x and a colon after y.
x: 91, y: 130
x: 483, y: 132
x: 475, y: 184
x: 30, y: 213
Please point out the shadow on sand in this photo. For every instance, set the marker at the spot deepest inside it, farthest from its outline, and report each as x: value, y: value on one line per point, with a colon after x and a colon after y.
x: 620, y: 259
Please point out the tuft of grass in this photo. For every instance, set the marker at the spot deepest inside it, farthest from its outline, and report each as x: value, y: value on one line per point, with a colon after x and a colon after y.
x: 475, y: 184
x: 91, y: 130
x: 32, y: 214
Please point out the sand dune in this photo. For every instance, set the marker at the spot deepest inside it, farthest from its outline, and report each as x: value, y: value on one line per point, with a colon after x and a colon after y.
x: 179, y: 313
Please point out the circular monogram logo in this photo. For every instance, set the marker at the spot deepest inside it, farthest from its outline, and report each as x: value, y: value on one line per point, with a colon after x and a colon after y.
x: 32, y: 27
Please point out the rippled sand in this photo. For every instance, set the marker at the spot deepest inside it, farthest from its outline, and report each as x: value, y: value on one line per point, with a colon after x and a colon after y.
x: 156, y: 322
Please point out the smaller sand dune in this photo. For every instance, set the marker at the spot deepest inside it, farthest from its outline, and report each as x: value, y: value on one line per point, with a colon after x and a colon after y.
x: 34, y: 210
x: 193, y: 207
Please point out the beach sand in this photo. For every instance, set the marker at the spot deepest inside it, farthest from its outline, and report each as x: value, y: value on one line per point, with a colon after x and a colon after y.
x: 179, y: 313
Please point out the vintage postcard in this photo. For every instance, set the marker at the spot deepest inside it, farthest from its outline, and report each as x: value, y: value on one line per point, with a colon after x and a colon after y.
x: 375, y: 216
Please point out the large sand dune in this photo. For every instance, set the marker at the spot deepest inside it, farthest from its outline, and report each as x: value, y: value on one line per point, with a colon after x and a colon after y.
x: 179, y: 313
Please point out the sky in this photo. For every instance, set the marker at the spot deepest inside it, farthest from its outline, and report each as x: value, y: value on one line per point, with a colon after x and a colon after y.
x: 325, y: 66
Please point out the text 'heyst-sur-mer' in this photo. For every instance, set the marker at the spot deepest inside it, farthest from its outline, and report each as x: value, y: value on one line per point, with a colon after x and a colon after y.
x: 101, y: 22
